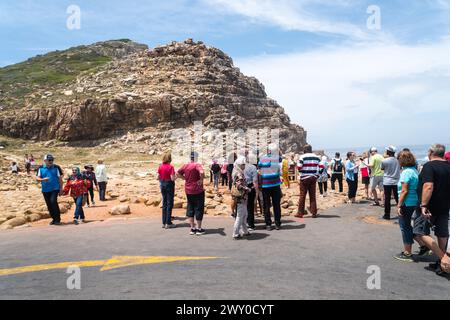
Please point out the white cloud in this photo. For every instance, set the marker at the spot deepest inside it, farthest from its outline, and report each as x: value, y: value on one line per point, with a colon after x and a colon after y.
x: 363, y: 92
x: 291, y: 15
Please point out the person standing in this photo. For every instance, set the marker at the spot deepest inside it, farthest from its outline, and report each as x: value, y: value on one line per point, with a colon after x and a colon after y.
x: 102, y: 179
x: 240, y: 192
x: 166, y: 178
x: 376, y: 179
x: 193, y: 174
x: 351, y: 171
x: 215, y: 169
x: 309, y: 167
x: 230, y: 168
x: 251, y: 178
x: 391, y: 176
x: 408, y: 202
x: 323, y: 177
x: 224, y: 173
x: 285, y: 172
x: 270, y: 172
x: 27, y: 164
x: 337, y: 172
x: 433, y: 191
x: 50, y: 177
x: 89, y: 174
x: 365, y: 173
x: 78, y: 186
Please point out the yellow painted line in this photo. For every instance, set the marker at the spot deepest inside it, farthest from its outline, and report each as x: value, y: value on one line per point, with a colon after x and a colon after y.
x: 109, y: 264
x: 124, y: 261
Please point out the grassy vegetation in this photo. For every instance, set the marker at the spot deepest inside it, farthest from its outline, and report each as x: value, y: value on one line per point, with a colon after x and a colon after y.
x: 50, y: 69
x: 74, y: 155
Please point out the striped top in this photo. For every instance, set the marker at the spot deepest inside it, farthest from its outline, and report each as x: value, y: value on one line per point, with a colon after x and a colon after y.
x: 269, y: 171
x: 309, y: 166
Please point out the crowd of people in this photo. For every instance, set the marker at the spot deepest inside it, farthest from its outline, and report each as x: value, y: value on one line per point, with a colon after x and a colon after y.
x: 80, y: 186
x: 421, y: 194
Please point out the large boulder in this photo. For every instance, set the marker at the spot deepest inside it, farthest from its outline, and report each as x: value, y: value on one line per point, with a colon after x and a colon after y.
x: 120, y: 209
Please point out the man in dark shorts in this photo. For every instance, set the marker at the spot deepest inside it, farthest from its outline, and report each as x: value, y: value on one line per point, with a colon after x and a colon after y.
x: 434, y: 190
x: 193, y: 174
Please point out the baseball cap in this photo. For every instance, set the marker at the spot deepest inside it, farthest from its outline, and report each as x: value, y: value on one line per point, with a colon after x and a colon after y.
x: 391, y: 149
x: 373, y: 149
x: 49, y: 157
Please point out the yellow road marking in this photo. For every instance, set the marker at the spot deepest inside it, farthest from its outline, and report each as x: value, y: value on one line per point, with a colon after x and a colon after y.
x: 109, y: 264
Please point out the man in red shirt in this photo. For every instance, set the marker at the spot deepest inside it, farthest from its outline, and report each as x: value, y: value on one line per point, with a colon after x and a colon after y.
x: 447, y: 156
x: 193, y: 174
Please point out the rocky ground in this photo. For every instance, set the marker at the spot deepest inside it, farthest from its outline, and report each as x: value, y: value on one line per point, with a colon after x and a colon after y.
x: 133, y: 192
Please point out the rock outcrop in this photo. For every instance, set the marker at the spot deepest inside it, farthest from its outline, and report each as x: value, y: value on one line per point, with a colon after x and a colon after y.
x: 149, y: 92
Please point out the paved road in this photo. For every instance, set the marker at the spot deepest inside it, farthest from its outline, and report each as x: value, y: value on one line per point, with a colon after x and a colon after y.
x: 325, y: 258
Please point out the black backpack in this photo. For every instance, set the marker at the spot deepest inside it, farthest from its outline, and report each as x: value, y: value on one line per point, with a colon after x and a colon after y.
x: 337, y: 165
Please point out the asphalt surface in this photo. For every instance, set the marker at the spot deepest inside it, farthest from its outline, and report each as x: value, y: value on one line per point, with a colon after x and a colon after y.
x: 324, y: 258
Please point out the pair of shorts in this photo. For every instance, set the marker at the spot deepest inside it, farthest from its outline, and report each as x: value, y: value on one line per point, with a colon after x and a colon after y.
x: 439, y: 223
x: 376, y: 182
x: 366, y: 181
x: 196, y: 206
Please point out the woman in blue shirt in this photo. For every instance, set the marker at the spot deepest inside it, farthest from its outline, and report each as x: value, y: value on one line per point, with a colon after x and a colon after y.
x: 408, y: 201
x: 351, y: 171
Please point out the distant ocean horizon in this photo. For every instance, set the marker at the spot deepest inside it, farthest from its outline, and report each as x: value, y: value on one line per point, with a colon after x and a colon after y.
x: 420, y: 151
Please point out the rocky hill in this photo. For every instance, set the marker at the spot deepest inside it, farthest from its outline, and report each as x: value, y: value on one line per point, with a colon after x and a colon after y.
x: 98, y: 93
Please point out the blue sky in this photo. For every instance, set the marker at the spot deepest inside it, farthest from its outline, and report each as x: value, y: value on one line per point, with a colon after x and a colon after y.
x: 346, y: 84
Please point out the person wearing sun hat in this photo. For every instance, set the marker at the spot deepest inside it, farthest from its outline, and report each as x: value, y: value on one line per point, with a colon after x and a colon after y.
x: 50, y: 177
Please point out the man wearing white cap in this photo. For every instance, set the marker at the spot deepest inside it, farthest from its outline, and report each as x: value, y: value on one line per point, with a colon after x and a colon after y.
x: 376, y: 179
x: 391, y: 168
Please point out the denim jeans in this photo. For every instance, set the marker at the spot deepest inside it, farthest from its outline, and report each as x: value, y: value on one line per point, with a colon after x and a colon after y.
x: 79, y: 213
x: 51, y: 199
x: 168, y: 193
x: 405, y: 224
x: 216, y: 180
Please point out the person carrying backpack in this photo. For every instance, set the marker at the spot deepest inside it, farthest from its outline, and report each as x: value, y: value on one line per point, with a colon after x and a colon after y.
x: 337, y: 172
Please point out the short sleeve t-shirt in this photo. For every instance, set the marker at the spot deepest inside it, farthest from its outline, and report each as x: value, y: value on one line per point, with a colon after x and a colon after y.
x: 391, y: 169
x: 192, y: 174
x: 250, y: 173
x: 52, y: 173
x: 166, y: 171
x: 437, y: 172
x: 410, y: 176
x: 375, y: 163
